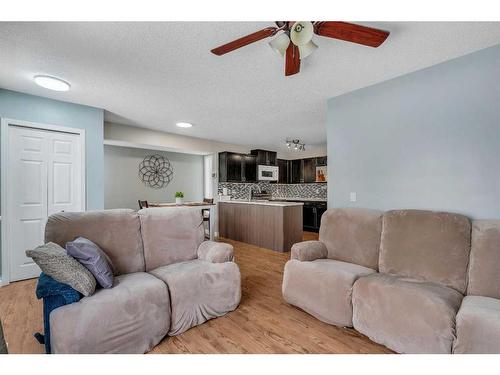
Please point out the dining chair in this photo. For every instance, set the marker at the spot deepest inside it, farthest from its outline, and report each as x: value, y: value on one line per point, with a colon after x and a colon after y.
x: 205, y: 213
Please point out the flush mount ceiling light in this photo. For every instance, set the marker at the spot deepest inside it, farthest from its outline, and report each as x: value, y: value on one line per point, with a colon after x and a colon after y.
x: 184, y: 125
x: 296, y: 144
x: 52, y: 83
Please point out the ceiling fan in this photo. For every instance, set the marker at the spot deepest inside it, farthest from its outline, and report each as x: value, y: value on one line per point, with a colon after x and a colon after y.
x: 295, y: 41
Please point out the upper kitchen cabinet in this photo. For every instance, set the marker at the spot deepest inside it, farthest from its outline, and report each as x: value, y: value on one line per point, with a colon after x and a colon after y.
x: 309, y: 170
x: 283, y: 166
x: 249, y: 168
x: 321, y: 161
x: 265, y: 157
x: 230, y: 167
x: 234, y: 167
x: 296, y: 171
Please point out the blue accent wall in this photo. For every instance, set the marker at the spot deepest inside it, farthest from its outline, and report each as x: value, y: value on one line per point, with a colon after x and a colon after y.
x: 429, y: 140
x: 19, y: 106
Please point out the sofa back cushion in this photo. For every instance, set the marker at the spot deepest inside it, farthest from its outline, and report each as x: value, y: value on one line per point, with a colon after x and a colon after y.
x: 116, y: 232
x: 352, y: 235
x: 484, y: 266
x: 426, y: 245
x: 170, y: 235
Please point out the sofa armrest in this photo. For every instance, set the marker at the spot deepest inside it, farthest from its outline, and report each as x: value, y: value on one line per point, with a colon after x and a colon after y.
x: 215, y: 252
x: 309, y: 250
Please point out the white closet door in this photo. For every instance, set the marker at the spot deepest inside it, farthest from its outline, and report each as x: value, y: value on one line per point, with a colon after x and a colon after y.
x: 64, y: 173
x: 27, y: 173
x: 44, y: 177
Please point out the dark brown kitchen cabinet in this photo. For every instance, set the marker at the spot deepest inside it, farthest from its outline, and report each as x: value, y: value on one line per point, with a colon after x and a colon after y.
x: 309, y: 170
x: 283, y: 171
x: 249, y: 168
x: 234, y: 167
x: 296, y: 171
x: 321, y: 161
x: 230, y: 167
x: 312, y: 213
x: 265, y: 157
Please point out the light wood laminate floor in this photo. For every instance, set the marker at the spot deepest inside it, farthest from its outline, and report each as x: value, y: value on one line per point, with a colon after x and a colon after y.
x: 263, y: 323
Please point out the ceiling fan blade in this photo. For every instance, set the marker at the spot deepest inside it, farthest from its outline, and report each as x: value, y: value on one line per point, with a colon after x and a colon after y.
x: 350, y: 32
x: 292, y: 60
x: 241, y: 42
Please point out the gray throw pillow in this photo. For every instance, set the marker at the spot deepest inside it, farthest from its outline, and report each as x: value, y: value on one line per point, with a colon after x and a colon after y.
x: 93, y: 259
x: 55, y: 262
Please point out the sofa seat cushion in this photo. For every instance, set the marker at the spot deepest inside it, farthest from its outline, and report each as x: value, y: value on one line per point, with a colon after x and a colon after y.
x: 478, y: 326
x: 406, y: 315
x: 131, y: 317
x: 323, y: 288
x: 199, y: 291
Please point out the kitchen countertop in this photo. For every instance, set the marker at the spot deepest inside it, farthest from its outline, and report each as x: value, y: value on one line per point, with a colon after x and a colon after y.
x: 264, y: 202
x: 300, y: 199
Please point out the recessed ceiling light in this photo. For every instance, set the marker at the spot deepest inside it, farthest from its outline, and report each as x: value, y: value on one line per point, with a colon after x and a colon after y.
x: 52, y: 83
x: 184, y: 125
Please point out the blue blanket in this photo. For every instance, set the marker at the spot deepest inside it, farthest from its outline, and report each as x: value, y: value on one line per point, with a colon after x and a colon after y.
x: 54, y: 294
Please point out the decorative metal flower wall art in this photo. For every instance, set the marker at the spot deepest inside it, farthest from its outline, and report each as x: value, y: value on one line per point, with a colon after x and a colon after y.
x: 156, y: 171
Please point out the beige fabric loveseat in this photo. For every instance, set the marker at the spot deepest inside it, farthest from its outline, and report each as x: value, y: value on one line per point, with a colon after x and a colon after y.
x: 167, y: 280
x: 400, y: 277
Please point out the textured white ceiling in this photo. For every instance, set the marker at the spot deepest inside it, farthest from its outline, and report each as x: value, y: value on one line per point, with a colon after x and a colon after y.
x: 155, y: 74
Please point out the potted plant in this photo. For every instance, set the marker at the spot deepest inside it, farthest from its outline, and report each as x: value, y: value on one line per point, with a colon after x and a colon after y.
x: 178, y: 197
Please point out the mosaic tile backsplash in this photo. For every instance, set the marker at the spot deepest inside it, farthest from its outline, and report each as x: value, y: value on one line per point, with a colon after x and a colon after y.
x: 307, y: 191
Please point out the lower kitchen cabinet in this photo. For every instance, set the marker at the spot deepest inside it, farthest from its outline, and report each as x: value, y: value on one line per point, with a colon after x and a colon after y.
x: 312, y: 212
x: 309, y: 216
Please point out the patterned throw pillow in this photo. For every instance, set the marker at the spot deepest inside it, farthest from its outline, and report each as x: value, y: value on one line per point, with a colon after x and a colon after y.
x: 55, y: 262
x: 93, y: 259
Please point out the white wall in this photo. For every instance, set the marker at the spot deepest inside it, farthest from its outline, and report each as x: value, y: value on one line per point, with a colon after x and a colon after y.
x: 123, y: 188
x: 156, y: 140
x: 166, y: 141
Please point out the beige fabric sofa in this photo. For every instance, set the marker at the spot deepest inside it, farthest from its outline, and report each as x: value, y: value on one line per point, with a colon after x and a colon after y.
x: 168, y: 280
x: 400, y: 277
x: 478, y: 320
x: 320, y: 275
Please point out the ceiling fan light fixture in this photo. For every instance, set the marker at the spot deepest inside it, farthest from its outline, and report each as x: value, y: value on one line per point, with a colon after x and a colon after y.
x: 295, y: 144
x: 307, y: 49
x: 301, y: 33
x: 280, y: 44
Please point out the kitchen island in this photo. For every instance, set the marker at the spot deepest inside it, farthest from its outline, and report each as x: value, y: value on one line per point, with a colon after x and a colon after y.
x: 269, y: 224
